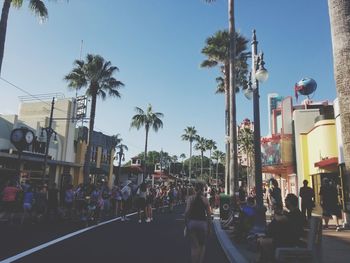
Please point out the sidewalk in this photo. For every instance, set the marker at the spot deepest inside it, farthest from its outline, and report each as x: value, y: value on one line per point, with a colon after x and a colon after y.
x: 335, y: 245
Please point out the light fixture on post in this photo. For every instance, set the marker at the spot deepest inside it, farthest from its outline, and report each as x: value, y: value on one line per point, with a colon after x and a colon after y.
x: 258, y: 74
x: 49, y: 132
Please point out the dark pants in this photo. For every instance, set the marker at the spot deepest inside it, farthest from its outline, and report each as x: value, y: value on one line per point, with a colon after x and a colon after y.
x: 126, y: 205
x: 306, y: 211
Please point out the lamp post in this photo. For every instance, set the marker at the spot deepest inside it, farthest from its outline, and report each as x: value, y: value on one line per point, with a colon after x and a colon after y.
x: 49, y: 132
x: 258, y: 74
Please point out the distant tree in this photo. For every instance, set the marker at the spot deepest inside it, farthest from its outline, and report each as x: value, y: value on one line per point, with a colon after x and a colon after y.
x: 201, y: 146
x: 211, y: 145
x: 191, y: 136
x: 149, y: 120
x: 219, y: 156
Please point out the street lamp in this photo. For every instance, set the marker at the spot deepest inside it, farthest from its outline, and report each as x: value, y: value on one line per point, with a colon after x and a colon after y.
x: 258, y: 74
x: 49, y: 132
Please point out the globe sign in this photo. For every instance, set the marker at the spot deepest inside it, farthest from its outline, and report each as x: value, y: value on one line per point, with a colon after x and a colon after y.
x: 305, y: 86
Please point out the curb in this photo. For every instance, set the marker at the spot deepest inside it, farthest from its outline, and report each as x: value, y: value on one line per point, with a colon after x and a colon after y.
x: 232, y: 253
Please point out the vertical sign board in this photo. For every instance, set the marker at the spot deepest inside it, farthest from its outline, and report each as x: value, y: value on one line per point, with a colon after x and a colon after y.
x: 287, y: 111
x: 81, y: 107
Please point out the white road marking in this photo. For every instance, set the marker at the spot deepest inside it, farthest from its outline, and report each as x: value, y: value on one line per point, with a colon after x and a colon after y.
x: 45, y: 245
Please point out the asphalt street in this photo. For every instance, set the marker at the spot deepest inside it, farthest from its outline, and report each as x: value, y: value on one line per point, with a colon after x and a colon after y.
x: 159, y: 241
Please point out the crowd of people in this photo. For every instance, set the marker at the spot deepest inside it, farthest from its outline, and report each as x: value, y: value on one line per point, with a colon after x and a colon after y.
x: 90, y: 203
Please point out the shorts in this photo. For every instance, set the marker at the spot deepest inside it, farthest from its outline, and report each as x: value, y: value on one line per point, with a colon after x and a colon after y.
x: 331, y: 211
x: 198, y: 229
x: 141, y: 203
x: 27, y: 207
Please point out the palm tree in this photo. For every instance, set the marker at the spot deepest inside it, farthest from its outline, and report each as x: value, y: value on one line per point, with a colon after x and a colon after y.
x: 147, y: 119
x: 191, y: 136
x: 217, y: 50
x: 219, y: 157
x: 246, y: 145
x: 211, y: 145
x: 37, y: 6
x: 339, y: 13
x: 96, y: 75
x: 120, y: 149
x: 201, y: 146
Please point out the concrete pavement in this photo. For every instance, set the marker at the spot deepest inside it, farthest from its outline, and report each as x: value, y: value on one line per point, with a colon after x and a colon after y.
x: 129, y: 242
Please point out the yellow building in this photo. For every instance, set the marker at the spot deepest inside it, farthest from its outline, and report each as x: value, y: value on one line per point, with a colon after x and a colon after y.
x: 101, y: 158
x: 319, y: 154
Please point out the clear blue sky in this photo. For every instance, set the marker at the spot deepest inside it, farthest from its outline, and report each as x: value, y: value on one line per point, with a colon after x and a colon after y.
x: 156, y: 44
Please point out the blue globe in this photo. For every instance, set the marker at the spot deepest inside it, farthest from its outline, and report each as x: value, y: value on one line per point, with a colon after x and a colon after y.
x: 306, y: 86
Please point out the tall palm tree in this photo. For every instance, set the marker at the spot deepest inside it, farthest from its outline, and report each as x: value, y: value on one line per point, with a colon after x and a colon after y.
x: 191, y: 136
x: 95, y: 74
x: 211, y: 145
x: 120, y: 153
x: 219, y: 157
x: 149, y: 120
x: 201, y: 146
x: 218, y: 49
x: 339, y: 13
x: 37, y: 6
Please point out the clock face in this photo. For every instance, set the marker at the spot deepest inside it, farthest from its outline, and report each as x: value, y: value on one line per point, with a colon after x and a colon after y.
x: 17, y: 135
x: 29, y: 137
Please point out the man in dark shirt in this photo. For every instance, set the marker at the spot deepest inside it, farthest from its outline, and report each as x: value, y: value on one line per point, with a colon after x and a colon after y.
x: 307, y: 196
x: 285, y: 230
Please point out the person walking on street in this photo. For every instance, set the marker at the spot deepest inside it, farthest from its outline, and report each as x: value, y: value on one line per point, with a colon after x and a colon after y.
x: 149, y: 203
x: 275, y: 196
x: 127, y: 199
x: 9, y: 200
x: 28, y: 200
x: 117, y: 195
x: 68, y: 201
x: 329, y: 203
x: 141, y: 201
x: 198, y: 222
x: 307, y: 196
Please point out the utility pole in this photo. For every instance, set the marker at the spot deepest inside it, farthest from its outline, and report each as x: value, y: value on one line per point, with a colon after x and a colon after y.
x: 49, y: 131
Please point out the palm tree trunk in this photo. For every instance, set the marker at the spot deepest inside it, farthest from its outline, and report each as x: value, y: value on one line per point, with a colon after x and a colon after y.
x: 201, y: 165
x: 145, y: 157
x: 227, y: 126
x: 217, y: 172
x: 190, y: 163
x: 86, y: 170
x: 339, y: 13
x: 233, y: 130
x: 3, y: 27
x: 209, y: 164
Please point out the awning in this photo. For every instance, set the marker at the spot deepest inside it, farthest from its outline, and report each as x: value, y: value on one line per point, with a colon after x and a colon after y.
x: 278, y: 169
x: 329, y: 163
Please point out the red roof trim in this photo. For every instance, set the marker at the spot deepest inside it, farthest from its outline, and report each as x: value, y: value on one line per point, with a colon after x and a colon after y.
x: 327, y: 162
